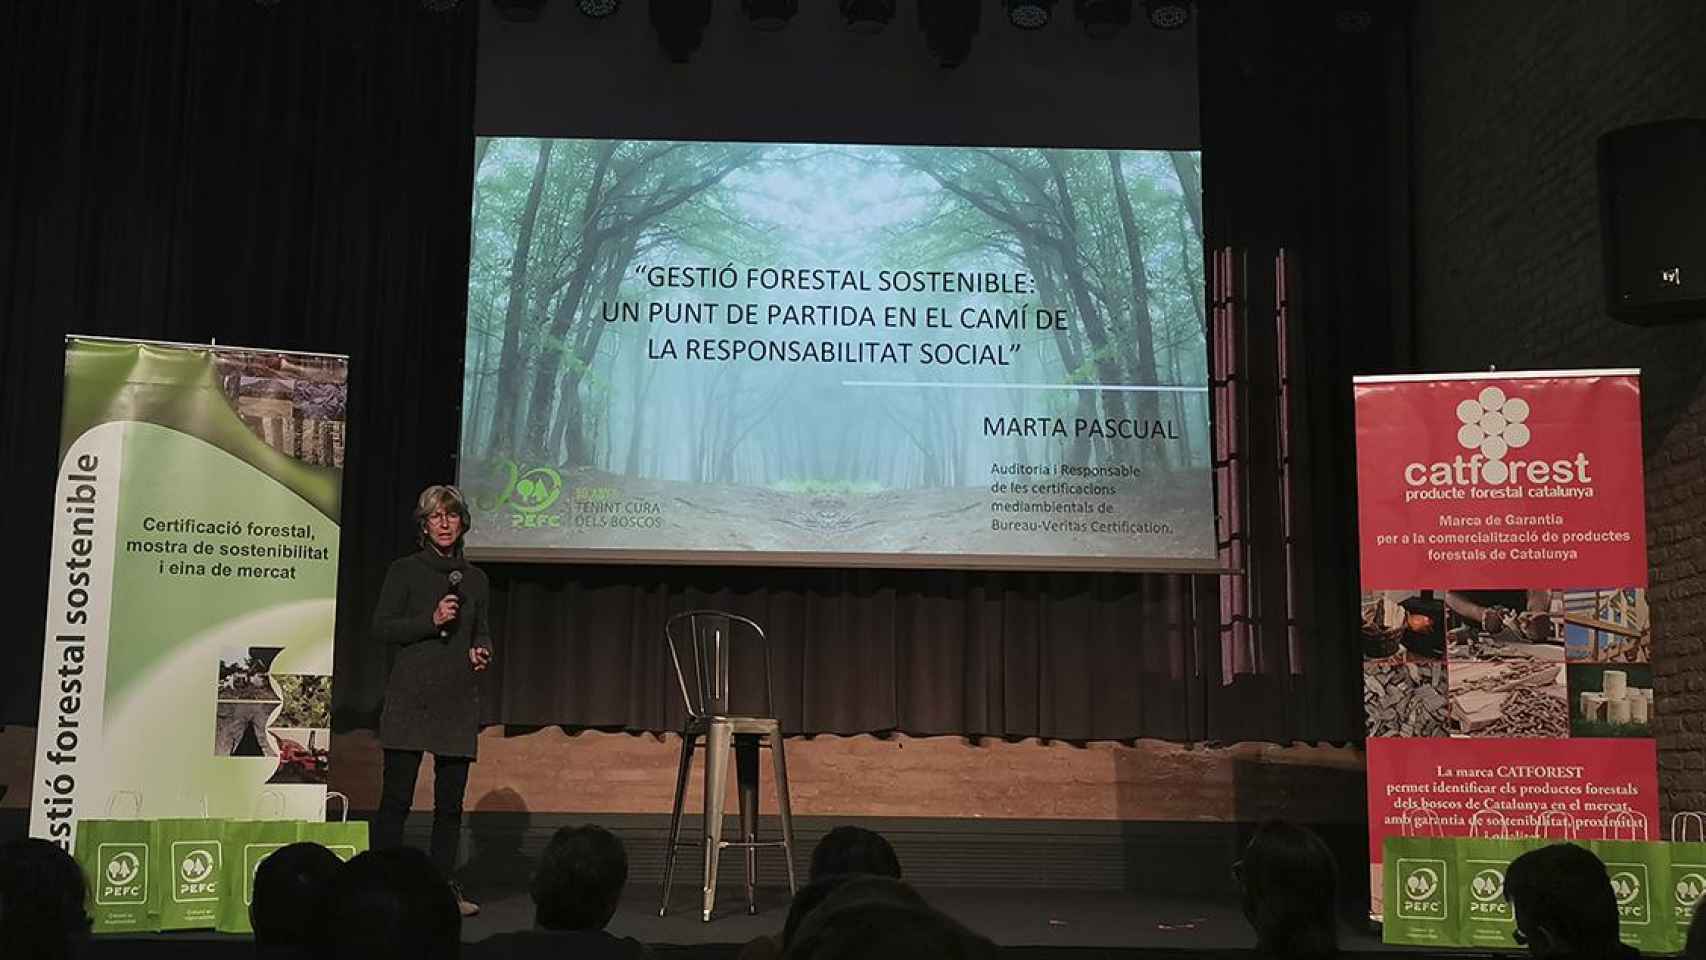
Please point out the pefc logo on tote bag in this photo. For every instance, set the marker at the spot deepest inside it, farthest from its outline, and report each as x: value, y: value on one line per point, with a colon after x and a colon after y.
x: 197, y: 879
x: 1487, y: 892
x: 1629, y: 885
x: 1421, y: 890
x: 1690, y: 885
x: 124, y: 874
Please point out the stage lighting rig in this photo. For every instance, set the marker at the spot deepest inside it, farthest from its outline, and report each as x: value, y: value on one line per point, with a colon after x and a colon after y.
x: 1168, y: 14
x: 948, y: 27
x: 867, y: 16
x: 598, y: 9
x: 519, y: 11
x: 770, y: 14
x: 1102, y: 18
x: 1030, y: 14
x: 680, y: 26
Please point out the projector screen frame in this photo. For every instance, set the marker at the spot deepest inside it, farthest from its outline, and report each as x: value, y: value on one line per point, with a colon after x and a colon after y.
x: 1008, y: 563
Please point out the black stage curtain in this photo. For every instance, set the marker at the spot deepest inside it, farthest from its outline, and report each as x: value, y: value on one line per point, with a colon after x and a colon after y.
x: 296, y: 176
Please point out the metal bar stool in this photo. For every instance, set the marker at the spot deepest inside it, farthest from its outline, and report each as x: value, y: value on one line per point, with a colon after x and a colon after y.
x: 703, y: 640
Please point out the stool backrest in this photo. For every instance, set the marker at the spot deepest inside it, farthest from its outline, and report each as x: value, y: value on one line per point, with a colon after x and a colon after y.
x: 701, y: 643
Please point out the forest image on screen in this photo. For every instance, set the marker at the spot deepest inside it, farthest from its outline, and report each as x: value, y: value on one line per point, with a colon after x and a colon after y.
x: 820, y: 353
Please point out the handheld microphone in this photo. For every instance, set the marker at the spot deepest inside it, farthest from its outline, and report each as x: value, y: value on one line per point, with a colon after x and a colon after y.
x: 455, y: 590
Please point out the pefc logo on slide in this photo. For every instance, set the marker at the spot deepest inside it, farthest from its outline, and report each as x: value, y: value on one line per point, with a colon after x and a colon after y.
x: 198, y: 867
x: 124, y: 874
x: 1629, y: 885
x: 528, y: 493
x: 1491, y: 426
x: 1421, y: 890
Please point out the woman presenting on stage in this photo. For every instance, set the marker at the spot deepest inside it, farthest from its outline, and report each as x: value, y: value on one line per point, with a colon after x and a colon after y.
x: 432, y: 616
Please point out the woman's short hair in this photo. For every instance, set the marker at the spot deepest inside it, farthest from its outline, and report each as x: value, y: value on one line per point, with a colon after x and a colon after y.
x: 1289, y: 878
x: 442, y: 496
x: 849, y: 849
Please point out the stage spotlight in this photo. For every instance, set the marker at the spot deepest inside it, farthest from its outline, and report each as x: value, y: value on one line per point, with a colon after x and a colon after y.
x: 598, y: 9
x: 867, y: 16
x: 680, y: 26
x: 949, y: 26
x: 1353, y: 19
x: 1168, y: 14
x: 1029, y: 14
x: 770, y: 14
x: 1103, y: 18
x: 519, y: 11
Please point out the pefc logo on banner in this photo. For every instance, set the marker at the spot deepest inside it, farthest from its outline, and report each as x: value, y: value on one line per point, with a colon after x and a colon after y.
x: 1421, y: 890
x: 1487, y: 892
x: 198, y: 871
x: 1629, y: 884
x: 124, y: 874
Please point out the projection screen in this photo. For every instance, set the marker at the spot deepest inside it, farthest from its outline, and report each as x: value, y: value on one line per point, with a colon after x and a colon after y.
x: 801, y: 353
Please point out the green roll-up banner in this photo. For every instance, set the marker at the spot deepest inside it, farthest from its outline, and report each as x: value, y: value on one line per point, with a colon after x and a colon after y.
x: 193, y: 585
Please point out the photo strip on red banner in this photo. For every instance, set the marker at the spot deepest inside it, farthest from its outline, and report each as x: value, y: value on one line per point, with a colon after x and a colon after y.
x: 1506, y: 639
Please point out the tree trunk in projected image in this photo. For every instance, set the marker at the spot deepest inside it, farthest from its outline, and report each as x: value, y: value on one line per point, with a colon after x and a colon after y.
x: 515, y: 311
x: 1066, y: 342
x: 642, y: 192
x: 567, y: 433
x: 1071, y: 255
x: 1041, y: 216
x: 1143, y: 325
x: 1190, y: 183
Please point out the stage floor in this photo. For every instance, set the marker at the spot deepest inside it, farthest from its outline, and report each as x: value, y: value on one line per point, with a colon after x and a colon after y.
x: 1010, y: 917
x: 1035, y: 924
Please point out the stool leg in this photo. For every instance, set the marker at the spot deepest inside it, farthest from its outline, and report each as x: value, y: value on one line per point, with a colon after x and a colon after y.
x: 783, y: 809
x: 746, y: 774
x: 681, y: 775
x: 716, y: 787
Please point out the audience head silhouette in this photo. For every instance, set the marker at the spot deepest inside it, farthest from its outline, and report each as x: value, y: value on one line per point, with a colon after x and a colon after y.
x: 1695, y: 948
x: 41, y: 900
x: 392, y: 903
x: 854, y: 850
x: 1564, y: 903
x: 846, y: 887
x: 1288, y: 878
x: 879, y: 918
x: 580, y: 879
x: 290, y: 888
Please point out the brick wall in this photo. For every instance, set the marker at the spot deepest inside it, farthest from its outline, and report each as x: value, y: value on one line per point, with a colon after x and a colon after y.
x: 1508, y: 101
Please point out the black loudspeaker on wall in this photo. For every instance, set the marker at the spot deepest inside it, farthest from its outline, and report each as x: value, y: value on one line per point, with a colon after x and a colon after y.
x: 1652, y: 201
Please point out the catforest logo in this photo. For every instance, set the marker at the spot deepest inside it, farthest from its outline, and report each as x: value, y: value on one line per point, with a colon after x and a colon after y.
x: 1494, y: 428
x: 528, y: 494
